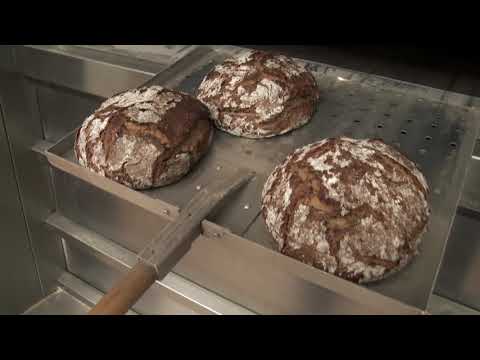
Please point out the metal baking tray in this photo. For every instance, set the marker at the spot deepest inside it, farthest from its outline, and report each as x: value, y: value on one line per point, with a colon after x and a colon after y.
x: 434, y: 128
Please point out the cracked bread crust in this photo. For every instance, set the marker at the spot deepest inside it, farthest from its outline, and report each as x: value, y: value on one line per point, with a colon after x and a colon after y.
x: 145, y: 138
x: 354, y: 208
x: 259, y: 95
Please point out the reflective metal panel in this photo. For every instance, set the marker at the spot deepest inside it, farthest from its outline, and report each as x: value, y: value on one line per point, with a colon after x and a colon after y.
x: 441, y: 306
x: 59, y: 302
x: 79, y: 202
x: 459, y: 277
x: 7, y: 58
x: 82, y: 291
x: 460, y: 273
x: 61, y: 109
x: 98, y: 78
x: 33, y: 173
x: 471, y: 192
x: 19, y: 282
x: 164, y: 54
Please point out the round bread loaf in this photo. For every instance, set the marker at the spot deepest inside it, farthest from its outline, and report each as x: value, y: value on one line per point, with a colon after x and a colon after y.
x: 259, y: 95
x: 145, y: 137
x: 353, y: 208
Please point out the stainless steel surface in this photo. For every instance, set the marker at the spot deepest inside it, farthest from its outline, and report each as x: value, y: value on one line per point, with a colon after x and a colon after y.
x: 97, y: 70
x: 153, y: 53
x: 7, y: 58
x: 82, y: 291
x: 164, y: 202
x: 100, y: 262
x: 59, y: 302
x: 176, y: 238
x: 135, y: 225
x: 19, y: 282
x: 227, y: 265
x: 61, y: 109
x: 73, y: 297
x: 460, y: 273
x: 74, y: 68
x: 182, y: 67
x: 435, y: 128
x: 33, y: 174
x: 442, y: 306
x: 471, y: 192
x: 254, y: 275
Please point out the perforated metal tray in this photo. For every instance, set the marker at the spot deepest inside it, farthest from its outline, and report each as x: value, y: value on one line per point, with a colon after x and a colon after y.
x: 434, y: 128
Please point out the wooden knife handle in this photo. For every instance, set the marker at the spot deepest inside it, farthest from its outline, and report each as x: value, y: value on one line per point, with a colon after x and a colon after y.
x: 126, y: 292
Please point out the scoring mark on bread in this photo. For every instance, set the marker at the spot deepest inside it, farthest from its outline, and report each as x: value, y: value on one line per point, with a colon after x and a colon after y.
x: 361, y: 197
x: 145, y: 137
x: 259, y: 95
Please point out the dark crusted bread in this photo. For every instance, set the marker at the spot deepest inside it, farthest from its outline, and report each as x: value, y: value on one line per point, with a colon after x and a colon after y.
x: 145, y: 137
x: 353, y: 208
x: 259, y: 95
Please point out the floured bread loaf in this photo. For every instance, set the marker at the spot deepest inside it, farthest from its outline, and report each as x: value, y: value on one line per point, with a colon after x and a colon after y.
x: 353, y: 208
x: 145, y: 137
x: 259, y: 95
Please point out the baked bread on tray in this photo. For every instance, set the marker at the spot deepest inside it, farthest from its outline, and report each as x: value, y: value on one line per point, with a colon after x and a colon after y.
x: 259, y: 95
x: 145, y: 138
x: 354, y: 208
